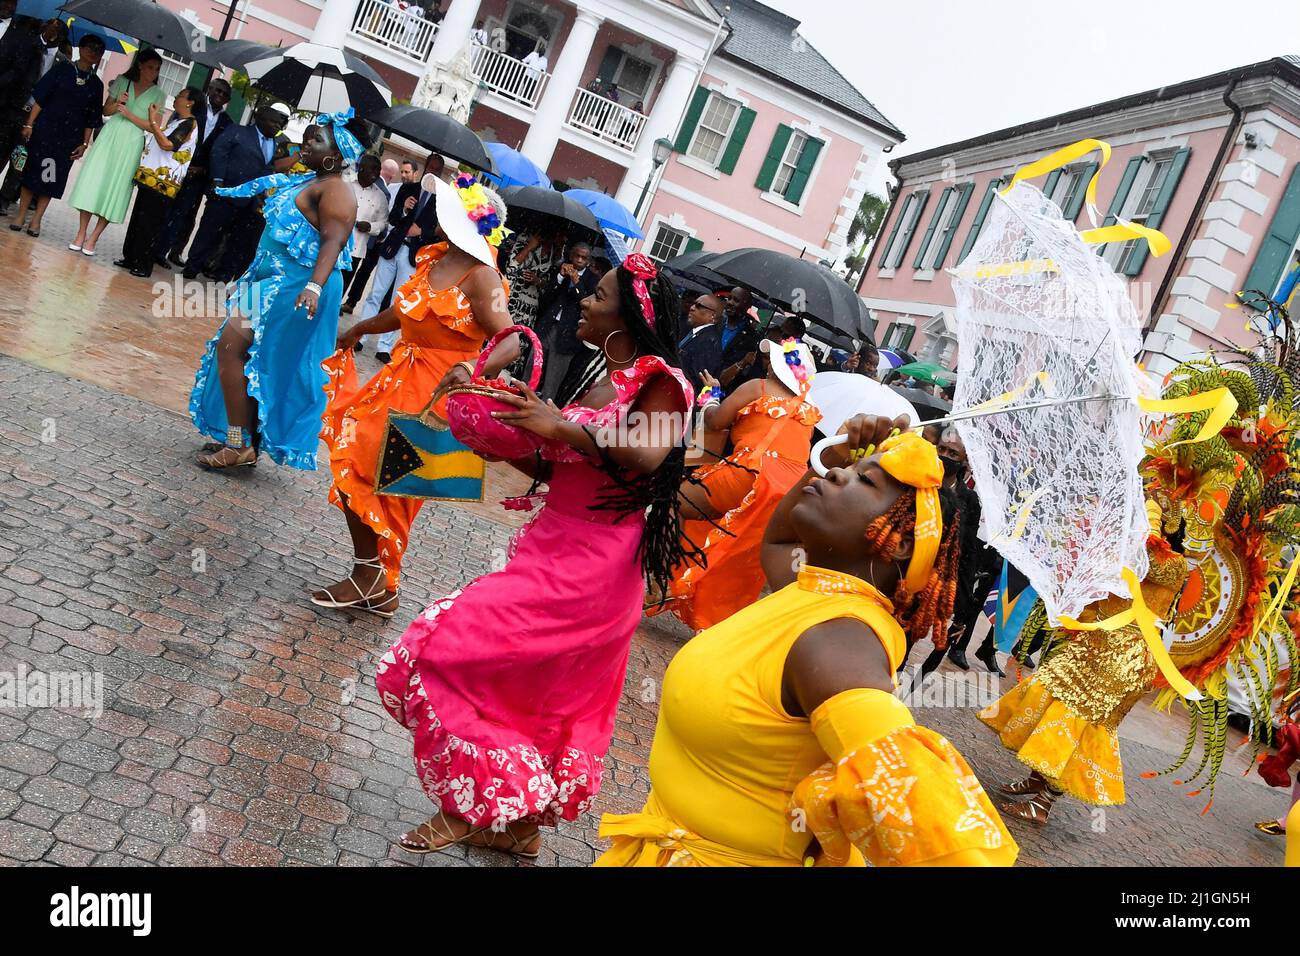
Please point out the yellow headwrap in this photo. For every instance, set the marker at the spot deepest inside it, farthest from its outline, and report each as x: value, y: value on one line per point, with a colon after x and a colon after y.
x: 914, y: 461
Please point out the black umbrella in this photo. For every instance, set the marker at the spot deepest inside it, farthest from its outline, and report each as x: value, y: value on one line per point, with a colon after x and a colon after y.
x: 320, y: 79
x: 148, y: 22
x: 551, y: 203
x: 800, y: 286
x: 436, y: 131
x: 693, y: 268
x: 926, y: 405
x: 236, y: 53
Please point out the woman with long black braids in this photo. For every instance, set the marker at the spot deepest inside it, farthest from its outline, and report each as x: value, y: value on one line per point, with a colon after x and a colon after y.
x: 510, y: 685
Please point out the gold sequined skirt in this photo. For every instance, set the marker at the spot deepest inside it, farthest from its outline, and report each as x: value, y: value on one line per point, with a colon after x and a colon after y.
x: 1062, y: 721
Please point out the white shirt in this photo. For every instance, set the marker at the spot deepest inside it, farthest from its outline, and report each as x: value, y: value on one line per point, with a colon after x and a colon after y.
x: 536, y: 64
x: 4, y: 27
x: 479, y: 36
x: 208, y: 123
x: 372, y: 207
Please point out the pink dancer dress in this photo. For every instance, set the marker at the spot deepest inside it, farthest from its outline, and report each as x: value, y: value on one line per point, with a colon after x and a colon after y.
x: 510, y: 685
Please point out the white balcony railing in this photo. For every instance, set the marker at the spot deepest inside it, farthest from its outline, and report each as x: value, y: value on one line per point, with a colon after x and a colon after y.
x: 606, y: 120
x: 398, y: 29
x: 507, y: 76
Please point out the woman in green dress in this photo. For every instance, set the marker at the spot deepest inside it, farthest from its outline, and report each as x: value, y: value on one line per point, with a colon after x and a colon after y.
x: 103, y: 187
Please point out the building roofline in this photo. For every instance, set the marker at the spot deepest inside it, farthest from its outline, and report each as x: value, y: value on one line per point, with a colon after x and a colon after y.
x: 828, y: 102
x: 1280, y: 66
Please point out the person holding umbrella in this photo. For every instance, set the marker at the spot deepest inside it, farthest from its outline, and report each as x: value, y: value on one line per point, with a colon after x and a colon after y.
x: 259, y: 385
x: 103, y: 187
x: 62, y: 120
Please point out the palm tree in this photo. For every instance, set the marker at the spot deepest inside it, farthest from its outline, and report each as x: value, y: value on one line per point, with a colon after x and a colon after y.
x: 866, y: 223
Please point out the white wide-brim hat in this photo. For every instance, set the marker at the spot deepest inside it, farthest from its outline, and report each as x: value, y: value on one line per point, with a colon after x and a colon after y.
x: 455, y: 222
x: 785, y: 374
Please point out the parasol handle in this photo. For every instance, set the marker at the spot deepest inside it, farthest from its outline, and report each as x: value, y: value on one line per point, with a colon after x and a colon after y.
x: 815, y: 460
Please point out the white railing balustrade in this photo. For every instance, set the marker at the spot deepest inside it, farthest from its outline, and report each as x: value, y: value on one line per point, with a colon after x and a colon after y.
x: 507, y: 76
x: 404, y: 30
x: 606, y: 120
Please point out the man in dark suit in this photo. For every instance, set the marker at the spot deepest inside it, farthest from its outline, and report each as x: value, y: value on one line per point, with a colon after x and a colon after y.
x: 558, y: 311
x: 22, y: 53
x: 175, y: 235
x: 728, y: 348
x: 239, y: 154
x: 413, y: 228
x: 701, y: 354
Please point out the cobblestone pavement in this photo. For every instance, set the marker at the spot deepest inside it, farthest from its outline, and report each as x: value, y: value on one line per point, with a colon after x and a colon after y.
x: 225, y: 737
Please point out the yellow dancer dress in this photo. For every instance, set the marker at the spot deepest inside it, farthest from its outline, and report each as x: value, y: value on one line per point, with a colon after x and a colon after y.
x: 1063, y: 721
x: 736, y: 781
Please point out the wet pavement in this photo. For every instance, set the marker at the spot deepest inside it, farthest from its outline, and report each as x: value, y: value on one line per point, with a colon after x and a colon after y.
x: 241, y: 723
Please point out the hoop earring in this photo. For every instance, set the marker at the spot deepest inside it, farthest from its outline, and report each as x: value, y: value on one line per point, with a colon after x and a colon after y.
x: 329, y: 164
x: 605, y: 348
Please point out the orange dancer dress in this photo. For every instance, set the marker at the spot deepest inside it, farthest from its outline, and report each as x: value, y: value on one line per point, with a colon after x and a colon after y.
x: 438, y: 330
x: 771, y: 436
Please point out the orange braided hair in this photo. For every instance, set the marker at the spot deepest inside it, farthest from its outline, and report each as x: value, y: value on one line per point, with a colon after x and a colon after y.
x: 929, y: 611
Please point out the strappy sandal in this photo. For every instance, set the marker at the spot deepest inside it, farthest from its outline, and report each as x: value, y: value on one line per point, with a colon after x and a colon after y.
x: 517, y: 847
x: 1271, y: 827
x: 1024, y: 788
x: 372, y: 601
x: 227, y: 457
x: 427, y: 832
x: 1035, y: 810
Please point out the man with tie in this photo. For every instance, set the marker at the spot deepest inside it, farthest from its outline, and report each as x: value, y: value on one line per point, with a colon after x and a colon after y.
x: 239, y: 154
x: 175, y: 235
x: 411, y: 227
x: 700, y: 355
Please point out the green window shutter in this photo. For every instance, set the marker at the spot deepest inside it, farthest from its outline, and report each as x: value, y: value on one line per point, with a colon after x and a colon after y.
x: 907, y: 331
x: 901, y: 209
x: 693, y: 114
x: 923, y: 197
x: 961, y: 199
x: 978, y: 222
x: 944, y: 198
x: 780, y: 140
x: 693, y: 244
x: 1275, y: 251
x: 1074, y: 201
x: 737, y: 142
x: 1121, y: 195
x: 807, y: 160
x: 1048, y: 186
x: 1137, y: 257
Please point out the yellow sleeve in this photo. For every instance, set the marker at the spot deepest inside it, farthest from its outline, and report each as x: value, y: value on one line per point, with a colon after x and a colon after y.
x: 900, y: 793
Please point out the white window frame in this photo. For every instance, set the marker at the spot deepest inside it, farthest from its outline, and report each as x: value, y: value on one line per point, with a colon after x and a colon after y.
x: 1117, y: 253
x: 945, y: 227
x: 912, y: 202
x: 726, y: 136
x: 171, y: 59
x: 655, y: 68
x: 789, y: 160
x: 659, y: 225
x: 1066, y: 183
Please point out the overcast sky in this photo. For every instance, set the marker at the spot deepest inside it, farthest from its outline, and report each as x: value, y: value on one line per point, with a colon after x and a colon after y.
x: 944, y: 70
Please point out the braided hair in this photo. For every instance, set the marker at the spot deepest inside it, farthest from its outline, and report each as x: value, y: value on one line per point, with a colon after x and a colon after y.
x: 930, y: 610
x: 662, y: 549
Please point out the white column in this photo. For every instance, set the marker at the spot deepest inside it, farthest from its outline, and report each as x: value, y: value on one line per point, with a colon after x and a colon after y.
x: 454, y: 31
x: 557, y: 100
x: 334, y: 23
x: 662, y: 122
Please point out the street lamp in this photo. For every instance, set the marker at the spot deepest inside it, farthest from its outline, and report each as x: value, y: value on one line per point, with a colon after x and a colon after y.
x: 660, y: 151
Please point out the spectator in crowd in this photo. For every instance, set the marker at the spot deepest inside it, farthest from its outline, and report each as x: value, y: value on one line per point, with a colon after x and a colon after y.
x: 533, y: 260
x: 21, y: 59
x: 103, y: 187
x: 413, y: 229
x: 737, y: 340
x: 239, y: 155
x: 394, y: 175
x: 175, y: 235
x: 372, y: 198
x: 479, y: 34
x: 703, y: 314
x: 558, y: 312
x: 60, y: 125
x: 166, y: 160
x: 53, y: 34
x: 535, y: 64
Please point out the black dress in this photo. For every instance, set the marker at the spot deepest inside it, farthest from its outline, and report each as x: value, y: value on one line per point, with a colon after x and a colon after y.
x: 71, y: 101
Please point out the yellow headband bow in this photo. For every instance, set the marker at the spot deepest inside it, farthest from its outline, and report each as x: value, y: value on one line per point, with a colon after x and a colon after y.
x: 914, y: 461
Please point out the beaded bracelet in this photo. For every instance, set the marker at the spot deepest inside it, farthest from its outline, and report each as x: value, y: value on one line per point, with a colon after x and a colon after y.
x: 311, y: 287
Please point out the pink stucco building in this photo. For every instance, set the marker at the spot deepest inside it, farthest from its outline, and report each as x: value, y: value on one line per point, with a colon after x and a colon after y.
x: 1211, y: 162
x: 772, y: 146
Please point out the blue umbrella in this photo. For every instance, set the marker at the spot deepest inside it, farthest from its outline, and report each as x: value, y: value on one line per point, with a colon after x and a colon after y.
x: 515, y: 168
x: 610, y: 213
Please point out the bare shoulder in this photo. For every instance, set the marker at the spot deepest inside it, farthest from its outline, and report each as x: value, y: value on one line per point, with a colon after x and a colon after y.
x: 832, y: 657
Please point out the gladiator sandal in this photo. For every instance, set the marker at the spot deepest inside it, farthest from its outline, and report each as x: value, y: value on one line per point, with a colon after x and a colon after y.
x: 379, y: 602
x: 1031, y: 785
x: 1035, y: 810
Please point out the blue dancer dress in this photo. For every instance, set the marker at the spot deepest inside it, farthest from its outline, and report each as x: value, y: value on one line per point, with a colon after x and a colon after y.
x: 284, y: 372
